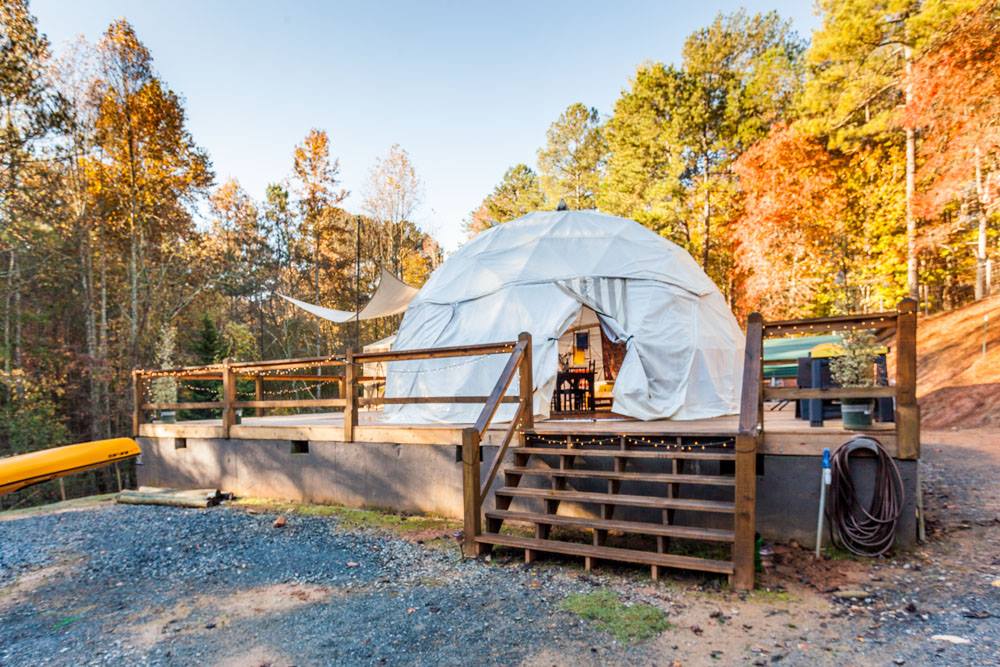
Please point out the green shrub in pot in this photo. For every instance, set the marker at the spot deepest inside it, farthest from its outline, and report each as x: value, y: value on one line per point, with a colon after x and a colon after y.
x: 856, y: 368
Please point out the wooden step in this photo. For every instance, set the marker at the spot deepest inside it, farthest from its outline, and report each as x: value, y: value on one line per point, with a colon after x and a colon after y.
x: 710, y: 480
x: 620, y: 499
x: 707, y: 455
x: 608, y: 553
x: 635, y: 527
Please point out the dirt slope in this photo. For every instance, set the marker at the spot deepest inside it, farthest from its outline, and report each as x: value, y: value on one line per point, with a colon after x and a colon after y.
x: 957, y: 386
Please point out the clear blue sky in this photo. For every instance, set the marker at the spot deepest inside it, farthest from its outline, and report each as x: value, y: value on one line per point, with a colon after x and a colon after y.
x: 468, y: 88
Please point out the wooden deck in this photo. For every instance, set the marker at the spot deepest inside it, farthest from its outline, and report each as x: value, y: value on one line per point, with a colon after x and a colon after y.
x: 758, y: 429
x: 783, y: 434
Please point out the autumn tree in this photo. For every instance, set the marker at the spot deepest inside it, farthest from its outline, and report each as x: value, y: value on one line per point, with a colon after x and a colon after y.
x: 741, y: 73
x: 517, y: 194
x: 676, y: 131
x: 30, y: 112
x: 73, y: 75
x: 150, y: 174
x: 391, y: 197
x: 572, y: 160
x: 317, y: 186
x: 861, y: 63
x: 956, y: 107
x: 787, y: 238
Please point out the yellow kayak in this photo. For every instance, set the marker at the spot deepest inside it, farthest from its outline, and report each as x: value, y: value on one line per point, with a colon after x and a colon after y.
x: 17, y: 472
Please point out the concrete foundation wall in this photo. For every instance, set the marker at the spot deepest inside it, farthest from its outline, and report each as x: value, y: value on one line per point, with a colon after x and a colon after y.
x: 427, y: 479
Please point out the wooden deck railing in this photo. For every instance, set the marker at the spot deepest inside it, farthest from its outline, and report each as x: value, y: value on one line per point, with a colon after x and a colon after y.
x: 518, y: 363
x: 474, y: 490
x: 899, y: 328
x: 229, y: 373
x: 902, y: 325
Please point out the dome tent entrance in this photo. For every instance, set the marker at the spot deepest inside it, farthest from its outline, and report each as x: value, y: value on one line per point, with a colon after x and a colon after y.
x: 684, y: 348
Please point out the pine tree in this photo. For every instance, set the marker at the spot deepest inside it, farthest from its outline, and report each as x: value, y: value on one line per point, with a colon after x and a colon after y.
x: 517, y: 194
x: 572, y: 160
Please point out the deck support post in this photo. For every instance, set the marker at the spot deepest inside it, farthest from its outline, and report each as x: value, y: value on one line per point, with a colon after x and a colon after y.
x: 258, y: 392
x: 748, y: 436
x: 744, y: 520
x: 472, y: 506
x: 228, y: 397
x: 350, y: 397
x: 907, y: 409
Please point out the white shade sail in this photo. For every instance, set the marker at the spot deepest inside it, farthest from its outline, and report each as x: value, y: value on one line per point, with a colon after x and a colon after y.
x: 391, y: 298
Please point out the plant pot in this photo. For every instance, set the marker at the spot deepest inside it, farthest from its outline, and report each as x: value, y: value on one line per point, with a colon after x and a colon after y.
x: 856, y: 412
x: 168, y: 416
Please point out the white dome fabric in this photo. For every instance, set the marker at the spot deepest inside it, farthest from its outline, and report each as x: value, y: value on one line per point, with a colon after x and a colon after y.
x: 684, y: 348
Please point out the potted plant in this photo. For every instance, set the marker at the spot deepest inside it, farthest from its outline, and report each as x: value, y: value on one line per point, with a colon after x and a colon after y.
x: 855, y: 367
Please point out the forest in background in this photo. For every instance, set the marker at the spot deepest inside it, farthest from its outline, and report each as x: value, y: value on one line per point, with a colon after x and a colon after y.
x: 808, y: 177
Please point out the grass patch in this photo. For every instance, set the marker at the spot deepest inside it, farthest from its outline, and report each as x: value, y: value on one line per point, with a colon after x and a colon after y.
x: 65, y: 622
x: 626, y: 623
x: 353, y: 519
x: 771, y: 595
x: 833, y: 553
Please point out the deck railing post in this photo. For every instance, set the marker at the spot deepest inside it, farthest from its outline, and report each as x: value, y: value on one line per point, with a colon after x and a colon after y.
x: 258, y: 392
x: 526, y: 389
x: 350, y: 397
x: 138, y: 393
x: 228, y: 397
x: 751, y: 426
x: 472, y: 507
x: 907, y: 409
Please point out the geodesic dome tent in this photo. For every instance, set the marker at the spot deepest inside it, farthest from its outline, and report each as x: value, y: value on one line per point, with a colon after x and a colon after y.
x: 684, y: 348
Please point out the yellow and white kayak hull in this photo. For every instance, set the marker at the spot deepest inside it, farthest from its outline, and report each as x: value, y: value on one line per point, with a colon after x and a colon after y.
x: 17, y: 472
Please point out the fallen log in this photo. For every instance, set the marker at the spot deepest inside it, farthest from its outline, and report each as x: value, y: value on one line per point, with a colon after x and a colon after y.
x: 150, y: 495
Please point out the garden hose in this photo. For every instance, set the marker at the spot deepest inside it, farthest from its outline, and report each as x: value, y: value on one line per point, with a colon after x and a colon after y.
x: 864, y: 531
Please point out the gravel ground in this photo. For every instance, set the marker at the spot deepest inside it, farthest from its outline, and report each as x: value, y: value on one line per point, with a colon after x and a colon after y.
x: 950, y: 586
x: 113, y: 584
x: 314, y: 594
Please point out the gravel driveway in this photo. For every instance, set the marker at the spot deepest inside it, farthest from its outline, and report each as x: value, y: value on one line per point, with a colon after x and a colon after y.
x: 157, y: 585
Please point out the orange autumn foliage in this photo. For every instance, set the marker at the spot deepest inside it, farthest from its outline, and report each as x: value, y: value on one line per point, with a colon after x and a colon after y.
x: 787, y: 233
x: 956, y: 108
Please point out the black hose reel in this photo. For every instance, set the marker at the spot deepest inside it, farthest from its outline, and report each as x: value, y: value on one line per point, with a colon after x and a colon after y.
x: 864, y: 531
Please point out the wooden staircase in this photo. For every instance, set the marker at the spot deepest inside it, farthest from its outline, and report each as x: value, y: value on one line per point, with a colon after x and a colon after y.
x: 576, y: 472
x: 585, y: 478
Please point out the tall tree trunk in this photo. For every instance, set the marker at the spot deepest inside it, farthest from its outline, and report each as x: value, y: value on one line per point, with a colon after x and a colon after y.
x: 16, y: 353
x: 707, y: 221
x: 8, y: 319
x: 912, y: 279
x: 319, y: 328
x: 981, y: 203
x: 102, y: 342
x: 134, y: 249
x: 90, y: 329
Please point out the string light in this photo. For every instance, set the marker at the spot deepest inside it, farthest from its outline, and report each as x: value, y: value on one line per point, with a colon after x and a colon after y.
x: 635, y: 440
